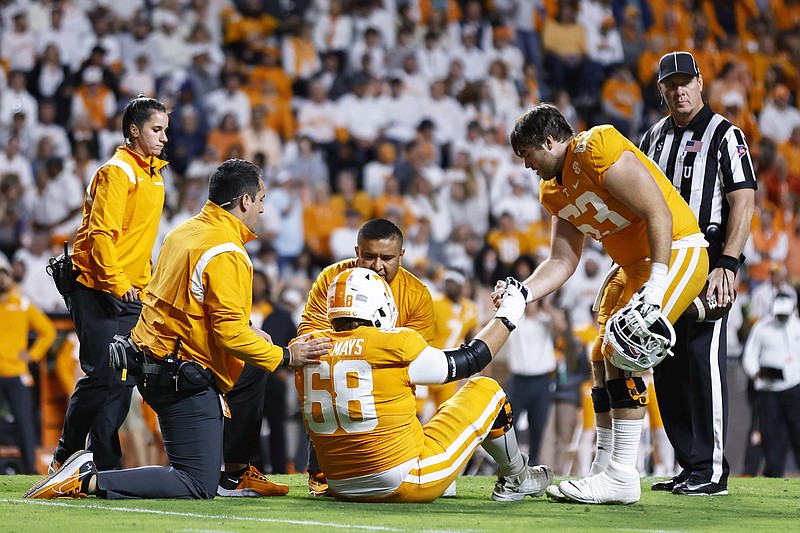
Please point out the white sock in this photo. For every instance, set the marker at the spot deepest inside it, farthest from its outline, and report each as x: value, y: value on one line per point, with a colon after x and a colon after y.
x: 505, y: 452
x: 626, y: 436
x: 602, y: 454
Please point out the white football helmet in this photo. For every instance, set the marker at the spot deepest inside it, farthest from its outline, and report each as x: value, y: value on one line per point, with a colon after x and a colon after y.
x: 361, y: 293
x: 633, y: 345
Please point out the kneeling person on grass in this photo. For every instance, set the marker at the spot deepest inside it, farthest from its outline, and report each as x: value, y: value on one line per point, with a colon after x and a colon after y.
x: 360, y: 411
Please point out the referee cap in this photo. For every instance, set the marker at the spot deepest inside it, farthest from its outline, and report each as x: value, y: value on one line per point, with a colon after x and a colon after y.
x: 677, y: 63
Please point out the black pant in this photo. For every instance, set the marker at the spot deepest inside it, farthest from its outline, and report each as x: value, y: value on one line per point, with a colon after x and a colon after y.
x: 101, y: 400
x: 255, y: 395
x: 532, y: 394
x: 20, y: 401
x: 243, y: 428
x: 191, y: 426
x: 779, y: 420
x: 692, y: 391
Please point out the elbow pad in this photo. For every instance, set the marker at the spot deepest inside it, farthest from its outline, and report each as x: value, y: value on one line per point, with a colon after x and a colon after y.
x: 467, y: 359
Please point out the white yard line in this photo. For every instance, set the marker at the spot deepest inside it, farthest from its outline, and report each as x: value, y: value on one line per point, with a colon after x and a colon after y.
x: 229, y: 517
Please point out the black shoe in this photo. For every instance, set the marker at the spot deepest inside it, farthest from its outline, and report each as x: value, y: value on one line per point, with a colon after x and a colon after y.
x: 669, y: 484
x: 695, y: 487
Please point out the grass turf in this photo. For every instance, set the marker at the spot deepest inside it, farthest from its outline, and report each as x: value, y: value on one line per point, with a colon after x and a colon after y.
x: 756, y: 504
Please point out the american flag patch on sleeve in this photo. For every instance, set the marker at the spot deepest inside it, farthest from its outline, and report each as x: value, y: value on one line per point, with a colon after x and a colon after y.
x: 741, y: 150
x: 693, y: 146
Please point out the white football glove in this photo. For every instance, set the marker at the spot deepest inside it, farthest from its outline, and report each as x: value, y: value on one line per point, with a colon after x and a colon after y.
x: 652, y: 293
x: 512, y: 306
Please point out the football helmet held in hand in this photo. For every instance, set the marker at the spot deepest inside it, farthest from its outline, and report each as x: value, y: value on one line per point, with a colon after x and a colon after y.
x: 361, y: 293
x: 633, y: 344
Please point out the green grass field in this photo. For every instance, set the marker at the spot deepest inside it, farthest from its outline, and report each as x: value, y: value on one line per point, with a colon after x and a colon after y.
x: 754, y: 505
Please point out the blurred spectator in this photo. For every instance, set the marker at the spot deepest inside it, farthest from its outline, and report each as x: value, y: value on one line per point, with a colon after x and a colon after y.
x: 11, y: 213
x: 564, y: 45
x: 187, y: 138
x: 432, y: 59
x: 12, y: 161
x: 171, y: 43
x: 347, y: 196
x: 81, y: 163
x: 763, y: 296
x: 509, y: 54
x: 474, y: 58
x: 503, y: 91
x: 37, y: 284
x: 270, y: 69
x: 361, y: 117
x: 767, y: 245
x: 228, y: 99
x: 392, y: 205
x: 102, y: 42
x: 16, y: 99
x: 259, y: 138
x: 316, y: 116
x: 202, y: 74
x: 770, y: 360
x: 320, y: 219
x: 55, y: 34
x: 332, y: 77
x: 344, y: 239
x: 513, y: 191
x: 572, y: 373
x: 333, y: 30
x: 54, y: 203
x: 429, y: 202
x: 138, y: 80
x: 51, y: 79
x: 532, y: 360
x: 225, y: 135
x: 448, y: 117
x: 474, y: 23
x: 779, y: 118
x: 632, y: 37
x: 299, y: 58
x: 508, y: 240
x: 369, y: 44
x: 466, y: 198
x: 733, y: 107
x: 577, y: 295
x: 18, y: 318
x: 93, y: 99
x: 141, y: 40
x: 246, y: 26
x: 18, y: 44
x: 622, y: 102
x: 307, y: 165
x: 415, y: 83
x: 47, y: 127
x: 283, y: 200
x: 377, y: 172
x: 404, y: 111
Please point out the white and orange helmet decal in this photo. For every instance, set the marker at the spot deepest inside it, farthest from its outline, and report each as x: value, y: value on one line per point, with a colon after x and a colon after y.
x: 361, y: 293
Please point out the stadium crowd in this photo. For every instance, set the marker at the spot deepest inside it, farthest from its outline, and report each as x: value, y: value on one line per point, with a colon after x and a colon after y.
x: 396, y: 109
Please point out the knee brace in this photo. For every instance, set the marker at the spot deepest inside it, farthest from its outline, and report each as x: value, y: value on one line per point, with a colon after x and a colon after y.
x: 504, y: 421
x: 627, y: 393
x: 600, y: 400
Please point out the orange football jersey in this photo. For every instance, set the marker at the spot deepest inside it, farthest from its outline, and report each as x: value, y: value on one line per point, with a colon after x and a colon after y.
x: 413, y: 301
x: 582, y: 198
x: 453, y: 321
x: 358, y: 403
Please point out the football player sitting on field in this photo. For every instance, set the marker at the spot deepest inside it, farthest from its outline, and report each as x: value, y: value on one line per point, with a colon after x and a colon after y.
x: 359, y: 407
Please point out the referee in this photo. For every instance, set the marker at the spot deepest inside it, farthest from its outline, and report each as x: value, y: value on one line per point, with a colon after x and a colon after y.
x: 708, y: 161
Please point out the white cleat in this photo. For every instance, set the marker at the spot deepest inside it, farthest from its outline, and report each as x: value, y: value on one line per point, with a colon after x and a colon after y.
x: 555, y: 494
x: 532, y: 481
x: 617, y: 485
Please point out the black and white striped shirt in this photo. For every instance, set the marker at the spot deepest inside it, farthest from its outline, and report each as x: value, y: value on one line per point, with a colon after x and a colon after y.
x: 705, y: 160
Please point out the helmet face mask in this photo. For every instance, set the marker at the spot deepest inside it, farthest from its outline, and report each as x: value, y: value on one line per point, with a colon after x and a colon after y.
x: 633, y: 346
x: 363, y: 294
